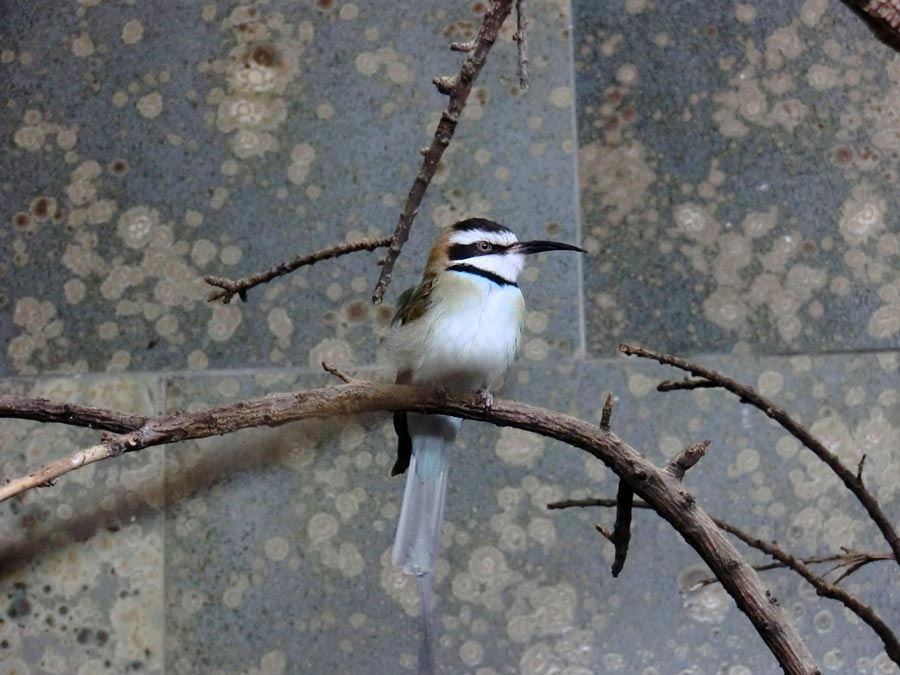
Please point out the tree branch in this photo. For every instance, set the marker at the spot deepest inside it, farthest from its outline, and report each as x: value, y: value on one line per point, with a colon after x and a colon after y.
x: 655, y: 485
x: 239, y: 287
x: 458, y: 89
x: 44, y: 410
x: 823, y: 587
x: 850, y: 479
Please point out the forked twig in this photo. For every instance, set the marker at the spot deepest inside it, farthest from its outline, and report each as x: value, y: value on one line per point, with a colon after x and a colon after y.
x: 851, y: 480
x: 230, y: 288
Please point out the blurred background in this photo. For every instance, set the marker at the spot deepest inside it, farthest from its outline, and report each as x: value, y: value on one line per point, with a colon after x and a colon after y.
x: 731, y: 169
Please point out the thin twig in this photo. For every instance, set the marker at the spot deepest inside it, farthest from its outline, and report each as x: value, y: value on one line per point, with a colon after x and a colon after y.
x: 458, y: 89
x: 620, y: 537
x: 654, y: 485
x: 607, y: 413
x: 687, y: 458
x: 850, y: 562
x: 823, y: 587
x: 341, y: 375
x: 685, y: 384
x: 749, y: 396
x: 521, y: 44
x: 239, y: 287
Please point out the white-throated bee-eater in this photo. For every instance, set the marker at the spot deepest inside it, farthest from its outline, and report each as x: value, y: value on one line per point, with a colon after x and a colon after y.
x: 458, y: 330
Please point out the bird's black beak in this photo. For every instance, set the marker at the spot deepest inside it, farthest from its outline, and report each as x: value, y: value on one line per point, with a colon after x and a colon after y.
x: 528, y: 247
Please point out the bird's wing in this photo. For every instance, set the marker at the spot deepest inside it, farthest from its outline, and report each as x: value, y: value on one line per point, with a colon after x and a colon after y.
x: 413, y: 302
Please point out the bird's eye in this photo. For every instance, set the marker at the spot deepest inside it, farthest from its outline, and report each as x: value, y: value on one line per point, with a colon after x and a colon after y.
x: 484, y: 246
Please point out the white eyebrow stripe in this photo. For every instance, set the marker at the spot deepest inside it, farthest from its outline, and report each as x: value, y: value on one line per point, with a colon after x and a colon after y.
x: 471, y: 236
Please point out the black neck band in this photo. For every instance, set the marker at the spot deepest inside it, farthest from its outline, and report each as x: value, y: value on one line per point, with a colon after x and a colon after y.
x: 477, y: 271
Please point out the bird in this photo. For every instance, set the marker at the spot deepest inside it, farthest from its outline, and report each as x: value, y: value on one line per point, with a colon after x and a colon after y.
x: 457, y: 330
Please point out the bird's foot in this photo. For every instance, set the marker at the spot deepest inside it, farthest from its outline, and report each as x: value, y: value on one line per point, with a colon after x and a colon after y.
x: 485, y: 399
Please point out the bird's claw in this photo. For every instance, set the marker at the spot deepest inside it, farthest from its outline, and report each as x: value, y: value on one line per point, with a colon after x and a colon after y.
x: 485, y: 399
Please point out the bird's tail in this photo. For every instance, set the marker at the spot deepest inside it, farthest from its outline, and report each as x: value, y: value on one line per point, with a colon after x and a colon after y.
x: 422, y: 513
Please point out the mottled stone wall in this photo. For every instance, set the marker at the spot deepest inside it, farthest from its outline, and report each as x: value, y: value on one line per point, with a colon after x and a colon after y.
x: 731, y: 169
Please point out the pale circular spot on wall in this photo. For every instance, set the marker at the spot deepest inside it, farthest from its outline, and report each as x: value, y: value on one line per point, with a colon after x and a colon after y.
x: 203, y: 252
x: 543, y: 531
x: 366, y: 63
x: 276, y: 548
x: 224, y: 321
x: 640, y: 385
x: 536, y: 349
x: 885, y: 322
x: 482, y: 156
x: 297, y: 173
x: 834, y: 660
x: 74, y: 290
x: 709, y: 604
x: 536, y: 321
x: 193, y: 218
x: 30, y: 138
x: 352, y: 436
x: 273, y: 663
x: 471, y: 653
x: 83, y: 46
x: 229, y: 167
x: 399, y: 73
x: 518, y: 447
x: 325, y: 111
x: 322, y: 527
x: 862, y: 214
x: 627, y: 74
x: 280, y: 323
x: 233, y: 597
x: 333, y: 351
x: 747, y: 461
x: 101, y: 211
x: 230, y: 255
x: 486, y: 563
x: 635, y: 6
x: 349, y: 11
x: 132, y: 32
x: 167, y: 326
x: 770, y: 383
x: 108, y: 330
x: 670, y: 445
x: 562, y: 97
x: 136, y: 225
x: 151, y: 105
x: 229, y: 387
x: 67, y: 138
x: 197, y: 360
x: 219, y: 197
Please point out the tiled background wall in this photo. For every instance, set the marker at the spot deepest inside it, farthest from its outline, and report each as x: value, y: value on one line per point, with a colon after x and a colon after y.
x: 731, y: 168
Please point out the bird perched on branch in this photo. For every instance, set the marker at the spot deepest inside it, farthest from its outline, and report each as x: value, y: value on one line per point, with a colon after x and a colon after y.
x: 459, y: 330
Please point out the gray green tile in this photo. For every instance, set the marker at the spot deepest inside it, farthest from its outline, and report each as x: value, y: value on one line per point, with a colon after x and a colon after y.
x: 737, y: 173
x: 283, y: 536
x: 81, y: 569
x: 152, y: 144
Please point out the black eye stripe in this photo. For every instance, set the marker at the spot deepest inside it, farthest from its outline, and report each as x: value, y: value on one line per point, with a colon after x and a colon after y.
x: 463, y: 251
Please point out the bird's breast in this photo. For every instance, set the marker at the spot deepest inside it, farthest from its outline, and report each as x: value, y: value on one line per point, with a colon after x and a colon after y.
x: 471, y: 332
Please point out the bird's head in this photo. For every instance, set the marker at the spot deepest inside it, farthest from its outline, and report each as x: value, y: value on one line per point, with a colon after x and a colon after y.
x: 488, y: 246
